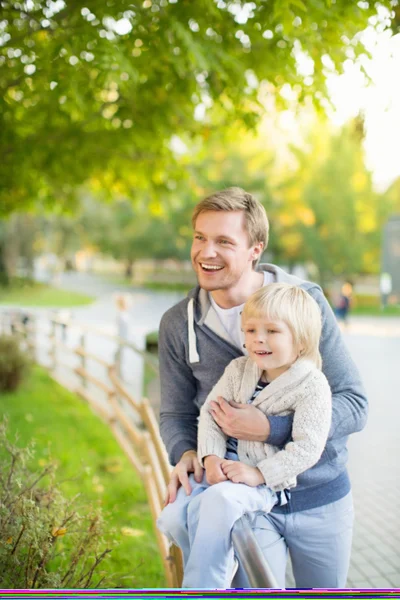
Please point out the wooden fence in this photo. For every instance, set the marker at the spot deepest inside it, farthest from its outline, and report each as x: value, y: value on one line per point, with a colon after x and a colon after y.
x: 132, y: 420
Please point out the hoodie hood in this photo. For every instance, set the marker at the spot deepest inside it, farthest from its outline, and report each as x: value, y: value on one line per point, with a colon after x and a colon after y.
x: 200, y: 311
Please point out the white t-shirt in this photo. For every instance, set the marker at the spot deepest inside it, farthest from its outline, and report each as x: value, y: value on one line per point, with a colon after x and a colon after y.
x: 230, y: 317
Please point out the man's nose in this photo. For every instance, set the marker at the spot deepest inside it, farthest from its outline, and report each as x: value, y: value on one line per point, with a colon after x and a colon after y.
x: 209, y: 250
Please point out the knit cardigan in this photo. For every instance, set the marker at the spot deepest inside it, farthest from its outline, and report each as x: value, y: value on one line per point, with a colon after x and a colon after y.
x: 302, y: 390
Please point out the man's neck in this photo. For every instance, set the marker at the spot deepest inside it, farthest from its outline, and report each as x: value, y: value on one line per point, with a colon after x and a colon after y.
x: 237, y: 295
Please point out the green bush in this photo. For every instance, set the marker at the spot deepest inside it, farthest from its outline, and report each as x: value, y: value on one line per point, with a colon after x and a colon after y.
x: 46, y: 541
x: 13, y: 363
x: 366, y: 301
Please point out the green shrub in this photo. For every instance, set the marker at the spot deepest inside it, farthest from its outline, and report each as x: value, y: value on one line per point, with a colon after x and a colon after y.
x: 152, y: 342
x: 46, y: 541
x: 366, y: 301
x: 13, y: 363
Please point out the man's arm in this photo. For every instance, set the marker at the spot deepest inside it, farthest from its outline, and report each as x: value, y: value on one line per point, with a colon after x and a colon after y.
x: 211, y: 438
x: 178, y: 413
x: 349, y: 402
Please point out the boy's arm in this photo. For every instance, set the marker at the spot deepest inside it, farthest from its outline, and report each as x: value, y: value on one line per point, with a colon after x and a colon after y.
x: 211, y: 438
x: 311, y: 423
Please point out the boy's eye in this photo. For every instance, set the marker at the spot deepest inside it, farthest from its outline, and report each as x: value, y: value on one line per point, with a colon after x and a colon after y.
x: 271, y: 331
x: 198, y: 237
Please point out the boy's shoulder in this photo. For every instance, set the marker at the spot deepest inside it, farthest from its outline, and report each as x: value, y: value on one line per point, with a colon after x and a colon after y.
x: 237, y: 366
x: 317, y: 382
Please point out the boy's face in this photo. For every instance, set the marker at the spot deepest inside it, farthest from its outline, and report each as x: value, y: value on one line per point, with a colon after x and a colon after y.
x: 270, y: 345
x: 221, y: 253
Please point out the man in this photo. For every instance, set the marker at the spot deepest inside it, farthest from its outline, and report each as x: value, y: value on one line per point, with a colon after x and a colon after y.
x: 200, y: 336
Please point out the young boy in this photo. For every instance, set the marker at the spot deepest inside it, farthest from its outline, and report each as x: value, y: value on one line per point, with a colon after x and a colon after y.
x: 280, y: 375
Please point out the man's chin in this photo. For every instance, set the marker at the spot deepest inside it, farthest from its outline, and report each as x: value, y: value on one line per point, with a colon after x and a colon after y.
x: 210, y: 286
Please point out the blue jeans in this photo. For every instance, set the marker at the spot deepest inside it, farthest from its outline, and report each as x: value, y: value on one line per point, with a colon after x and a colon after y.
x: 318, y: 540
x: 201, y: 525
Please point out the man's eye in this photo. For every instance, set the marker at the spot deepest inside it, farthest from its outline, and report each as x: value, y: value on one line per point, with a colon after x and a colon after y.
x: 271, y: 331
x: 198, y: 237
x: 249, y: 330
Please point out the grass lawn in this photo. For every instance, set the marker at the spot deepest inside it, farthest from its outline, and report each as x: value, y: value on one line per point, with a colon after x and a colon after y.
x: 376, y: 311
x: 39, y: 294
x: 65, y: 428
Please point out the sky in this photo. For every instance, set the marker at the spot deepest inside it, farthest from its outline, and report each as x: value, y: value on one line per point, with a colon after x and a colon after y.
x: 379, y: 99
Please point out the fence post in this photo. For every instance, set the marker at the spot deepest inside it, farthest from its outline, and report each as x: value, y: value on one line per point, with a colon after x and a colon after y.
x: 53, y: 348
x: 118, y: 359
x: 30, y: 330
x: 82, y: 344
x: 251, y: 557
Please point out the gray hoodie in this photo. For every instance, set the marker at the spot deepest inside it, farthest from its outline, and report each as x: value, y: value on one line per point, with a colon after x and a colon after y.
x: 194, y: 350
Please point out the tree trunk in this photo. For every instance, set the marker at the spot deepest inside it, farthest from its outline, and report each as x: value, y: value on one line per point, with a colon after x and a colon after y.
x: 4, y: 277
x: 129, y: 269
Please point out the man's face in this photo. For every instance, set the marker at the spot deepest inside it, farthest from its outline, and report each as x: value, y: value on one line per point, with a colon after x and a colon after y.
x: 220, y: 253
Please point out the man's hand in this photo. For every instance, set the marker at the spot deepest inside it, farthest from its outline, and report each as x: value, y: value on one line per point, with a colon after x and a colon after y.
x: 214, y: 473
x: 239, y: 472
x: 241, y: 421
x: 189, y: 463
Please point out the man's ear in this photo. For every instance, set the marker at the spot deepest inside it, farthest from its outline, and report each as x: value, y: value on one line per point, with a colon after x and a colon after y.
x: 258, y: 250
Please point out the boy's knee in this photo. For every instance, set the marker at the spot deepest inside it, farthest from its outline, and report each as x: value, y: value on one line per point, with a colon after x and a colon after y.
x: 219, y: 496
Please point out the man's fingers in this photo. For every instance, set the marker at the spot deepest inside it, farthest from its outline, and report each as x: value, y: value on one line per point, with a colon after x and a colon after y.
x: 223, y: 405
x: 171, y: 494
x: 198, y: 472
x: 172, y: 489
x: 184, y: 479
x: 237, y: 404
x: 215, y: 408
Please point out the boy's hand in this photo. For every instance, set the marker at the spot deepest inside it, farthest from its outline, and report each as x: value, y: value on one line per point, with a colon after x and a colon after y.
x: 239, y: 472
x: 214, y: 473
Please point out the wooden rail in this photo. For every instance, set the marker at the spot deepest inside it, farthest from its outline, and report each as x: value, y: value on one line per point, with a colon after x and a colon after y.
x: 136, y: 430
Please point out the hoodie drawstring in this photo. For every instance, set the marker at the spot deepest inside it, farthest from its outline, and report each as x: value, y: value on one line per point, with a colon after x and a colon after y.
x: 193, y: 354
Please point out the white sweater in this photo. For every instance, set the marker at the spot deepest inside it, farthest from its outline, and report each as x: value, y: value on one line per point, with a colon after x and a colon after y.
x: 302, y: 389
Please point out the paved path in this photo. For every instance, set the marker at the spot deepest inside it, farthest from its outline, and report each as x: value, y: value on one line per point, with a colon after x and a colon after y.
x: 374, y: 457
x: 374, y: 462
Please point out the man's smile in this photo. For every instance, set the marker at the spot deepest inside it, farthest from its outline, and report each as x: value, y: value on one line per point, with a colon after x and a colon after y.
x: 209, y: 267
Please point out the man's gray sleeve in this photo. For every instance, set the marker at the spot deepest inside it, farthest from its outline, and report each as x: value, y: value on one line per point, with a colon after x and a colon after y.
x: 179, y: 413
x: 349, y: 402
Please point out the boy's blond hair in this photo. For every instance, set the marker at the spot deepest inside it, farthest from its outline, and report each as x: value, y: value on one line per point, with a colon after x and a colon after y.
x: 292, y: 305
x: 235, y: 199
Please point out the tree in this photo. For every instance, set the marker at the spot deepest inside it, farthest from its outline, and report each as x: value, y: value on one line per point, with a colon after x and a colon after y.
x: 94, y: 93
x: 332, y: 216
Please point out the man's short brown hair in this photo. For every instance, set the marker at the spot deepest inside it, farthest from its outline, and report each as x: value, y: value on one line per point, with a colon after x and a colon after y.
x: 235, y: 199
